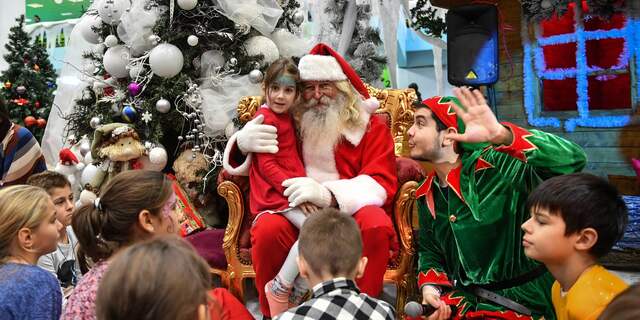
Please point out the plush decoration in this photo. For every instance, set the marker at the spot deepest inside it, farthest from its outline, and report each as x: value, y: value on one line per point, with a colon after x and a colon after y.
x: 69, y: 165
x: 117, y: 148
x: 190, y: 168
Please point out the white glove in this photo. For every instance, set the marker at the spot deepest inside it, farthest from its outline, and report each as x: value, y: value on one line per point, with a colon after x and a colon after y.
x: 304, y: 189
x: 257, y: 137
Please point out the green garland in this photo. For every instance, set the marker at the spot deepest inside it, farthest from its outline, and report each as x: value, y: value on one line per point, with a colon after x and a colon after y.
x: 425, y: 20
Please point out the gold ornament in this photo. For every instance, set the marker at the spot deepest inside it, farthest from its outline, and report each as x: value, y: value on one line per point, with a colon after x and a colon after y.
x: 7, y: 85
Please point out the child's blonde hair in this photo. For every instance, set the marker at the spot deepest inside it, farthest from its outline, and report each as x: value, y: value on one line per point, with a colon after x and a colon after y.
x: 21, y: 206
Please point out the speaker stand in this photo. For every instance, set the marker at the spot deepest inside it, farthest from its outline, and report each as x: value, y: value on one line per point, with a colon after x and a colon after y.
x: 491, y: 94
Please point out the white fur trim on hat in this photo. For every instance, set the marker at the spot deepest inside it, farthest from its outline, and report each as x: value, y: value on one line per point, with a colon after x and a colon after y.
x: 320, y: 68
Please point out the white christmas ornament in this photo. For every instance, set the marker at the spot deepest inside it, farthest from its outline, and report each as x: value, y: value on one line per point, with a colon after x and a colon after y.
x: 290, y: 45
x: 230, y: 130
x: 88, y: 173
x: 166, y: 60
x: 111, y: 10
x: 187, y: 4
x: 111, y: 41
x: 256, y: 76
x: 115, y: 61
x: 262, y: 45
x: 192, y: 40
x: 135, y: 70
x: 163, y: 105
x: 156, y: 160
x: 85, y: 26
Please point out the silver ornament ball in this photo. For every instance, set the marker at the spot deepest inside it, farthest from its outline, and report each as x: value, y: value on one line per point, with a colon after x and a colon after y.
x: 233, y: 62
x: 256, y: 76
x: 163, y: 105
x: 94, y: 122
x: 192, y: 40
x: 297, y: 17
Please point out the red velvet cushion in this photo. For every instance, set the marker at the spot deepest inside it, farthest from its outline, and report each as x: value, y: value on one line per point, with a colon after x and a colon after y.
x: 208, y: 244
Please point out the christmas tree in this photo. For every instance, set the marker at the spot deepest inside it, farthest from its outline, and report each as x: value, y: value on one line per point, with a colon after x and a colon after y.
x: 176, y: 70
x: 29, y: 82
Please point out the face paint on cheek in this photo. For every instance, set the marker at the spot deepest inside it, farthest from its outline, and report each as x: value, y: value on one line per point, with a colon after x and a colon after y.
x: 167, y: 209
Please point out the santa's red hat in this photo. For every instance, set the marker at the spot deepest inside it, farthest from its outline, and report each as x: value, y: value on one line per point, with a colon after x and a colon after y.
x: 325, y: 64
x: 67, y: 157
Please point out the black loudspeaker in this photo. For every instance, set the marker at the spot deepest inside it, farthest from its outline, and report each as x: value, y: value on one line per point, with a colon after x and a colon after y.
x: 472, y: 45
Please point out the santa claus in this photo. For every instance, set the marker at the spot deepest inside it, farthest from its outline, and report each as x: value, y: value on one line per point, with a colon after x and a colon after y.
x: 349, y: 161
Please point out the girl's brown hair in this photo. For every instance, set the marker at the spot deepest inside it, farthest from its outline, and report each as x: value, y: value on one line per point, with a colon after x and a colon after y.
x: 162, y: 278
x: 280, y: 67
x: 21, y: 206
x: 109, y: 224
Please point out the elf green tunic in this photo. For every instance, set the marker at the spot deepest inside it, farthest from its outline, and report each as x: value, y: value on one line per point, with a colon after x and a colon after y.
x: 470, y: 230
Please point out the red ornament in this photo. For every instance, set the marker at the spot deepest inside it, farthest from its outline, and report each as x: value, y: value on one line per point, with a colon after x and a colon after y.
x: 30, y: 121
x: 41, y: 123
x: 21, y: 101
x: 37, y: 104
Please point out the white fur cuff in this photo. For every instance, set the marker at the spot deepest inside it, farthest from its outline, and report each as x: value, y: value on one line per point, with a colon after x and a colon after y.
x: 243, y: 169
x: 353, y: 194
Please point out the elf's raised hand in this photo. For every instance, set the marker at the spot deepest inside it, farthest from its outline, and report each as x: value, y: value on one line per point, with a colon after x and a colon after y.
x: 480, y: 123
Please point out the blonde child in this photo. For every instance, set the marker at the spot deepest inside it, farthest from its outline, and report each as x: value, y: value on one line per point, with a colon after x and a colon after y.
x: 28, y: 230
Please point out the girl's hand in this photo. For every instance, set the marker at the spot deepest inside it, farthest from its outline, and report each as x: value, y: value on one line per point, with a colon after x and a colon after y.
x: 309, y: 208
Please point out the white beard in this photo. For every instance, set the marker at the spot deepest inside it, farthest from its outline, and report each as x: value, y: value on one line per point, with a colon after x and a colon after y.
x: 321, y: 130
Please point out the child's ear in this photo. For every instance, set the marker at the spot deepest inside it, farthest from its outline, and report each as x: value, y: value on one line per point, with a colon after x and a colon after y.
x: 361, y: 266
x: 25, y: 239
x: 587, y: 238
x: 302, y: 267
x: 144, y: 220
x: 448, y: 141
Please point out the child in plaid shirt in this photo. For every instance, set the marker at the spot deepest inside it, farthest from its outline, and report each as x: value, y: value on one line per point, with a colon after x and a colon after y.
x: 330, y: 259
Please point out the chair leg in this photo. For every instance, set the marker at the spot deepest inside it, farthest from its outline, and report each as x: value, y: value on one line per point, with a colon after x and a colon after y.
x: 401, y: 299
x: 235, y: 286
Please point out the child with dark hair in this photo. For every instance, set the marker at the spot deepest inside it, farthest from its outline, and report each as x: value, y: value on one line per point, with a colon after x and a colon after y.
x: 62, y: 263
x: 267, y: 173
x: 330, y: 247
x: 576, y: 219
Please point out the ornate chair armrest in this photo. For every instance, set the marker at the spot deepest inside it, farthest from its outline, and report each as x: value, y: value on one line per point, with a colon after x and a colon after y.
x: 403, y: 217
x: 232, y: 194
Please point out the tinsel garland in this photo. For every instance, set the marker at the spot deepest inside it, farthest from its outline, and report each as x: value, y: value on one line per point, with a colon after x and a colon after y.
x: 629, y: 32
x: 362, y: 53
x: 538, y: 10
x: 424, y: 19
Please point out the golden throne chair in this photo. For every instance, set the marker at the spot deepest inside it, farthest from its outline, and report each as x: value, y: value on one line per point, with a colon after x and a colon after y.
x: 395, y: 108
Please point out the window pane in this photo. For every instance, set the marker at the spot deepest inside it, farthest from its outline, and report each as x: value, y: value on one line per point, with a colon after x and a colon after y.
x: 560, y: 55
x: 606, y: 53
x: 596, y: 23
x: 610, y: 92
x: 558, y: 25
x: 559, y: 95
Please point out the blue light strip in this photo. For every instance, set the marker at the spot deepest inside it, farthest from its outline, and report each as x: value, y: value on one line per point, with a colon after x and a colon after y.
x: 630, y: 32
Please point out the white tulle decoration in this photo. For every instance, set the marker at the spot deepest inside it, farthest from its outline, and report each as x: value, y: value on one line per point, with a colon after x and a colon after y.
x: 115, y: 61
x: 290, y: 45
x: 166, y: 60
x: 136, y: 26
x: 262, y: 15
x: 262, y: 45
x: 220, y: 102
x: 111, y: 10
x: 85, y: 27
x: 210, y: 62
